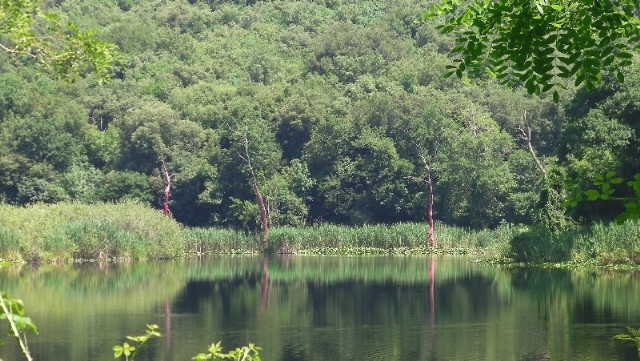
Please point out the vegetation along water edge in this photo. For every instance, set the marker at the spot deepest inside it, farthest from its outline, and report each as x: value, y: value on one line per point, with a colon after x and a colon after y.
x: 67, y: 232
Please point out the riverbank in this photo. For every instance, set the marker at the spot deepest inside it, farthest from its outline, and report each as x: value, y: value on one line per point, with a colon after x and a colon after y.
x: 128, y: 231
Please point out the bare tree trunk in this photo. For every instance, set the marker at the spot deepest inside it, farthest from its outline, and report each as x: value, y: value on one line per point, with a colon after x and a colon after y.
x: 167, y: 190
x: 428, y: 180
x: 264, y: 219
x: 432, y: 238
x: 526, y: 136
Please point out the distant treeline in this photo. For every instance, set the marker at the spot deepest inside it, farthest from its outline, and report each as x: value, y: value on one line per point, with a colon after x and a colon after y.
x: 338, y: 104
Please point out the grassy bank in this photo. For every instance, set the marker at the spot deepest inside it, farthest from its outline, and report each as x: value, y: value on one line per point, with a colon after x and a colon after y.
x: 64, y: 232
x: 71, y: 232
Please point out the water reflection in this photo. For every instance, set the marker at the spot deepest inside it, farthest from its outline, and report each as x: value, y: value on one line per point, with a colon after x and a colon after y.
x: 328, y: 308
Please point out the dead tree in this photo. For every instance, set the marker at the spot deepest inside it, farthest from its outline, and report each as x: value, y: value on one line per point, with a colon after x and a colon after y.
x: 428, y: 180
x: 167, y: 190
x: 264, y: 221
x: 525, y: 134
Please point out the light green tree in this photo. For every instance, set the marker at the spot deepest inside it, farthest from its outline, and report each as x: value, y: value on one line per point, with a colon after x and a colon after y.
x: 27, y: 32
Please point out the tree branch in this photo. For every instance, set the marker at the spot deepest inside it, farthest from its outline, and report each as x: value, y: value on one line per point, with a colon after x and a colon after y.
x: 526, y: 136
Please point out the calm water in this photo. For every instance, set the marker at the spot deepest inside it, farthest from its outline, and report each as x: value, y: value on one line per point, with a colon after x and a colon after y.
x: 327, y: 308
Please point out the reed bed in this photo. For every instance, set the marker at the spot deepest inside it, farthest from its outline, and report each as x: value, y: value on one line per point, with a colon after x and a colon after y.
x: 221, y: 241
x: 405, y: 238
x: 601, y: 244
x: 67, y: 231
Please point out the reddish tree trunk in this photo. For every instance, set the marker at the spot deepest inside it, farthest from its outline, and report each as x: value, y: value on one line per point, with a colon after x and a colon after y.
x: 167, y: 190
x: 432, y: 238
x: 264, y: 218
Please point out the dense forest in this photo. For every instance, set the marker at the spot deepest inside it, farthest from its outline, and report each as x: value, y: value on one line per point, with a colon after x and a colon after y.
x: 338, y: 109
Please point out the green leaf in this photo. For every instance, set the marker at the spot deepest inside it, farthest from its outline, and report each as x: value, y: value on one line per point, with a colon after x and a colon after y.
x: 592, y: 194
x: 620, y: 77
x: 615, y: 180
x: 556, y: 96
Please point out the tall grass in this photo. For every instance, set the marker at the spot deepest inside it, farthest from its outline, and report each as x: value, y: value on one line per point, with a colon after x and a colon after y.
x: 78, y: 231
x: 9, y: 245
x: 405, y: 238
x: 602, y: 244
x: 221, y: 241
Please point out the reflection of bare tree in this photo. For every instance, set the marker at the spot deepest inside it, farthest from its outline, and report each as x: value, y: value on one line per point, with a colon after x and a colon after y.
x: 167, y: 323
x: 432, y: 349
x: 432, y: 302
x: 264, y: 287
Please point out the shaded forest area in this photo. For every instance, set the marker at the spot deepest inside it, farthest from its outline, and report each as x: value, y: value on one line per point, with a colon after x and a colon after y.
x: 336, y: 110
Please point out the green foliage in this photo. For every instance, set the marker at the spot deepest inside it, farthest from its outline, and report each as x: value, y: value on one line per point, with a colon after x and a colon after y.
x: 605, y: 192
x: 12, y: 310
x: 542, y: 42
x: 123, y: 186
x: 248, y: 353
x: 130, y: 351
x: 633, y: 335
x: 62, y: 48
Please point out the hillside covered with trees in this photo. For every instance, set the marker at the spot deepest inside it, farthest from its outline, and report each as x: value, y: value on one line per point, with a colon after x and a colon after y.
x: 337, y: 109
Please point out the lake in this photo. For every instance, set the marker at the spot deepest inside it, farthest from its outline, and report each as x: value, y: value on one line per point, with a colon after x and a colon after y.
x: 327, y: 308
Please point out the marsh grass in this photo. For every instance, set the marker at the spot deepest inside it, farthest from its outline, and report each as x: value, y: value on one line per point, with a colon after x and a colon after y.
x: 66, y: 232
x: 601, y: 244
x: 9, y: 245
x: 405, y: 238
x: 221, y: 241
x: 69, y: 231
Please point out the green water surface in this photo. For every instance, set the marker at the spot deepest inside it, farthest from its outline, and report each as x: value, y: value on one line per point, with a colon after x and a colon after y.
x: 327, y: 308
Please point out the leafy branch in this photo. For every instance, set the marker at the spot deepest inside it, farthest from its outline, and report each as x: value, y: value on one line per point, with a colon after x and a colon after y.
x: 538, y: 43
x: 632, y: 336
x: 130, y: 351
x: 19, y: 324
x: 245, y: 353
x: 605, y: 192
x: 62, y: 49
